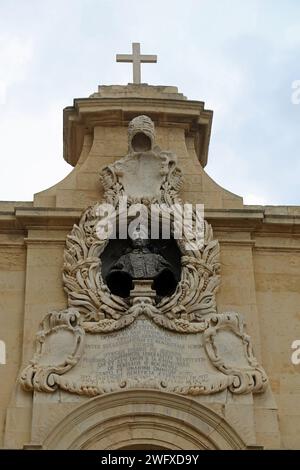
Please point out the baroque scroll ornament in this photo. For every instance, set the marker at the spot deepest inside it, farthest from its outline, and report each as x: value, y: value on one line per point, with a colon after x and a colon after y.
x: 228, y: 361
x: 60, y: 347
x: 51, y: 359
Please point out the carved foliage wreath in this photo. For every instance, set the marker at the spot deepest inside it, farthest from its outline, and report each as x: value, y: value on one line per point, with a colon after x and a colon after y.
x: 101, y: 311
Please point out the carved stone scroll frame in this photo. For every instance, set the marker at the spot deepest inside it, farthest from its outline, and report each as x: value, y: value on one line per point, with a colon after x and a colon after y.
x: 251, y: 378
x: 42, y: 373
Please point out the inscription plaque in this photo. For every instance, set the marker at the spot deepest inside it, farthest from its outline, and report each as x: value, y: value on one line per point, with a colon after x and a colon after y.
x: 143, y: 354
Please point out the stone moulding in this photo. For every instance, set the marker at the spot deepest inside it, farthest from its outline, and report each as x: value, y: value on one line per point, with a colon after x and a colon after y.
x: 213, y: 385
x: 105, y: 423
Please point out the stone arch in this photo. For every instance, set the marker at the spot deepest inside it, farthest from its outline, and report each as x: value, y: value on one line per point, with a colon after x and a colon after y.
x: 142, y: 418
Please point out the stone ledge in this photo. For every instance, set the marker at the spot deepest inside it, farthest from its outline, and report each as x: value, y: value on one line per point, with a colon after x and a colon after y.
x: 251, y: 219
x: 142, y: 90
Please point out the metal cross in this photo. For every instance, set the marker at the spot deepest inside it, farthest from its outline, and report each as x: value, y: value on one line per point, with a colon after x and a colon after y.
x: 136, y: 58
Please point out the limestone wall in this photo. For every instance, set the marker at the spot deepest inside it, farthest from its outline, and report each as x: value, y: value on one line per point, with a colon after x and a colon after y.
x: 260, y: 264
x: 12, y: 290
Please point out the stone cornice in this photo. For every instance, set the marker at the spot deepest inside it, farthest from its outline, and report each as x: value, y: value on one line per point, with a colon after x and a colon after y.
x: 262, y: 220
x: 87, y: 113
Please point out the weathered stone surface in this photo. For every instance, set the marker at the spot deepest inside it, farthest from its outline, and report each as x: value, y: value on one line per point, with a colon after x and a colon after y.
x: 260, y: 264
x: 143, y: 355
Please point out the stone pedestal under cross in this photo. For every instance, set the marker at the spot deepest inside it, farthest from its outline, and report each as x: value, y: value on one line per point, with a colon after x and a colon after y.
x: 136, y: 58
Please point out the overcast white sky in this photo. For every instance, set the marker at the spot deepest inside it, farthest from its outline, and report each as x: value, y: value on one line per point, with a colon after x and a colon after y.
x: 239, y: 56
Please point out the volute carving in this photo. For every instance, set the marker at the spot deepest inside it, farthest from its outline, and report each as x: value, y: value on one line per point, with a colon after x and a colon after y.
x: 190, y: 310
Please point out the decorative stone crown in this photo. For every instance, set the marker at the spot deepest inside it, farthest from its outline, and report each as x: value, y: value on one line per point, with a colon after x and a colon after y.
x: 141, y: 125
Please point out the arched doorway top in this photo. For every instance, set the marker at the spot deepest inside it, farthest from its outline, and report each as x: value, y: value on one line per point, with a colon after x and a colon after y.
x: 140, y: 417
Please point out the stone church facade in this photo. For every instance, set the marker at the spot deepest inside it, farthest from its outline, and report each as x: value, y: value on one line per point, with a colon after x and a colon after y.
x: 204, y: 366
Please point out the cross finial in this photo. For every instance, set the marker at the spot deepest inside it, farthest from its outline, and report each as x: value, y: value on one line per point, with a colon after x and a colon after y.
x: 136, y: 58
